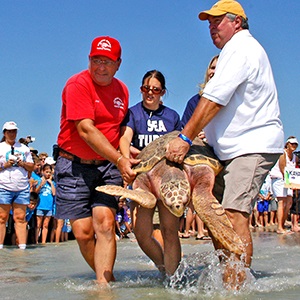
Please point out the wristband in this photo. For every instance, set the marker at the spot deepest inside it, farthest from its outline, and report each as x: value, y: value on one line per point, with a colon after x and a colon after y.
x: 2, y: 166
x: 185, y: 138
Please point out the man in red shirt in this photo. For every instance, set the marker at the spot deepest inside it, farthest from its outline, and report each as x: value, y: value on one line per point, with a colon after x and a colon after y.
x: 94, y: 103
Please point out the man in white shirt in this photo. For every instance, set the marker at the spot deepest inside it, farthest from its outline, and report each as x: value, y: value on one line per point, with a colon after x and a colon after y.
x: 240, y: 114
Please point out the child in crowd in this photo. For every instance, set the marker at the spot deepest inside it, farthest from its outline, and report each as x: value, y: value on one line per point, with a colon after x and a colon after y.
x: 263, y: 202
x: 46, y: 190
x: 122, y: 220
x: 273, y: 205
x: 35, y: 175
x: 57, y: 226
x: 66, y: 229
x: 30, y: 219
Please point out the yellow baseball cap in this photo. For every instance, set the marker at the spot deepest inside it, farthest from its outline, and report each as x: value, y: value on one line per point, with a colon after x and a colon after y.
x: 221, y: 8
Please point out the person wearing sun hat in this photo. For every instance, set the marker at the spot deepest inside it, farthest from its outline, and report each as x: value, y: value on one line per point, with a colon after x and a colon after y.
x: 15, y: 163
x: 50, y: 161
x: 94, y: 103
x: 240, y: 115
x: 284, y: 195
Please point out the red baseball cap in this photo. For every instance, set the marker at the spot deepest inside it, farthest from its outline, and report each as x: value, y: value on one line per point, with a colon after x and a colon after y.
x: 106, y: 46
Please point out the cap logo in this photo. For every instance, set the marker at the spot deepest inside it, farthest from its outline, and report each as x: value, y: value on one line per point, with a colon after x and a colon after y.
x: 104, y: 45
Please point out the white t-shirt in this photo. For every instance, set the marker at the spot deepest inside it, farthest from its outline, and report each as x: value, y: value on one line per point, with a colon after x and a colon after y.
x: 243, y: 83
x: 275, y: 171
x: 14, y: 178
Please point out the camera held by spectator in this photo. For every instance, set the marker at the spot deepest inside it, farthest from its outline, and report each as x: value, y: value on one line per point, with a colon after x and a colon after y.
x: 27, y: 140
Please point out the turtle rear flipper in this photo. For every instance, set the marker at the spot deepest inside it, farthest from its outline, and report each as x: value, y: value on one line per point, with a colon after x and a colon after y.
x: 211, y: 211
x: 215, y: 218
x: 144, y: 198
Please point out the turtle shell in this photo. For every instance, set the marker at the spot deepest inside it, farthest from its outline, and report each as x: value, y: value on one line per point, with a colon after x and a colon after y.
x: 199, y: 153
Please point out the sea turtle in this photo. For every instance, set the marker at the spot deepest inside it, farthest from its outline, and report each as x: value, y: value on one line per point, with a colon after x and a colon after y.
x: 175, y: 184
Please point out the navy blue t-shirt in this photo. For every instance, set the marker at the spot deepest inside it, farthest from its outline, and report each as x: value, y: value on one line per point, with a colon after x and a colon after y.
x: 189, y: 109
x: 148, y: 125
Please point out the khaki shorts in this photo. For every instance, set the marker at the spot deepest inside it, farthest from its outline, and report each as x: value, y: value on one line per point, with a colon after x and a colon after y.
x: 238, y: 184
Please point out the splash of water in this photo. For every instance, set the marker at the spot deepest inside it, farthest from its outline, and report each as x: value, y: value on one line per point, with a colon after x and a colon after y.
x: 203, y: 273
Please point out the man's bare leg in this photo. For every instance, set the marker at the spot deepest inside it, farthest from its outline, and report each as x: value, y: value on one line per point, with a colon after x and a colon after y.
x: 85, y: 236
x: 233, y: 278
x: 105, y: 248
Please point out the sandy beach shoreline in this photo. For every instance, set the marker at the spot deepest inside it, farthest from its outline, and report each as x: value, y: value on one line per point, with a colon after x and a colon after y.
x: 58, y: 271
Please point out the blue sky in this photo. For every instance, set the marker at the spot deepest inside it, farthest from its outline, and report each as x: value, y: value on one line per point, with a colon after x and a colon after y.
x: 44, y: 42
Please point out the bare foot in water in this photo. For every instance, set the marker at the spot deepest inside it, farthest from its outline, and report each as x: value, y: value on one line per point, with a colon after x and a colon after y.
x: 234, y: 276
x: 296, y: 229
x: 104, y: 283
x: 282, y: 231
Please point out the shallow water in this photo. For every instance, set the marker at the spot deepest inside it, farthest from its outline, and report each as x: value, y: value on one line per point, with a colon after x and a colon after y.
x: 57, y: 271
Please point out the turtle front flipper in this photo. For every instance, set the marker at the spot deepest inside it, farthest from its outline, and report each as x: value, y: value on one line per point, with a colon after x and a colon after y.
x: 143, y: 198
x: 211, y: 211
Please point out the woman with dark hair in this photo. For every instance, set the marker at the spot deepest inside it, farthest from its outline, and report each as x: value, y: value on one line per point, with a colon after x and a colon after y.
x: 145, y: 122
x: 15, y: 163
x: 148, y: 119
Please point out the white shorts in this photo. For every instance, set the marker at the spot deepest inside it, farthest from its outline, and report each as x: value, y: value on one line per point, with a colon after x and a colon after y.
x: 278, y: 188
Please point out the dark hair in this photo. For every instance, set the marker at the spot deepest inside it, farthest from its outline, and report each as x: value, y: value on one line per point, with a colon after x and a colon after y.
x: 34, y: 197
x: 157, y: 75
x: 47, y: 166
x: 290, y: 137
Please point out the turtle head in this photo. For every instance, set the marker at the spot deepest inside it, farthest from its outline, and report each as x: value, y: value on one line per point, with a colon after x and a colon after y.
x: 175, y: 195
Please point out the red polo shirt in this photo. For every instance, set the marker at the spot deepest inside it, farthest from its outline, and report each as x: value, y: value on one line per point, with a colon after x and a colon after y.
x: 83, y: 99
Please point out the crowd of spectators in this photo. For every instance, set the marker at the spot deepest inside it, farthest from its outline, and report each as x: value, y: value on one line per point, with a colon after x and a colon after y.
x: 42, y: 226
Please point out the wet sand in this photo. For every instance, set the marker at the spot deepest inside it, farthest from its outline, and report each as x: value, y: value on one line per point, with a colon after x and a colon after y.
x: 57, y: 271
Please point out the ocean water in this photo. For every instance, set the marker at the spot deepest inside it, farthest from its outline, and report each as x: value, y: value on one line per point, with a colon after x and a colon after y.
x: 57, y: 271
